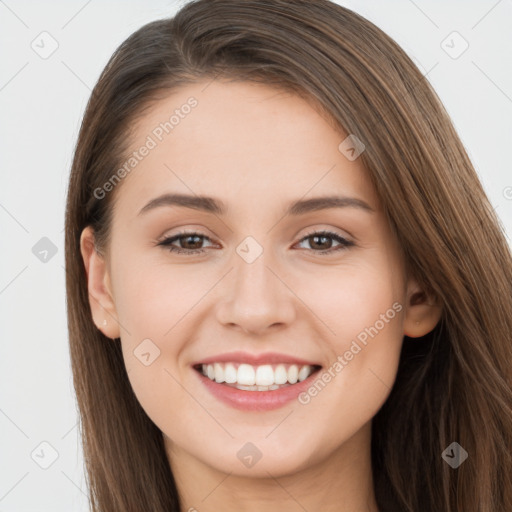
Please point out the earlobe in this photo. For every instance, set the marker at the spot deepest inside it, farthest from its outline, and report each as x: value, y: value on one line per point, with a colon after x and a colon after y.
x: 422, y: 313
x: 99, y: 287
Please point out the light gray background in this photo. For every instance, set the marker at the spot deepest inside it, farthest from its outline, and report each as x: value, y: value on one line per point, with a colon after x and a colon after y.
x: 42, y: 102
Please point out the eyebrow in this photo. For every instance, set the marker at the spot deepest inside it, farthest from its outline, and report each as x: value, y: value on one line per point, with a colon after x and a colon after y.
x: 215, y: 206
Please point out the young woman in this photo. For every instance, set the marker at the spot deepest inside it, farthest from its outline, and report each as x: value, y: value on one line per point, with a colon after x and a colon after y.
x: 287, y: 289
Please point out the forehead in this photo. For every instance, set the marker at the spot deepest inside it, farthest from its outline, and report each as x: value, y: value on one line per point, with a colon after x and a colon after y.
x: 240, y: 140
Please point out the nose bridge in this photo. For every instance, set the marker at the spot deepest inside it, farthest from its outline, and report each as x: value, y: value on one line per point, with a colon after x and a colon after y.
x: 253, y: 281
x: 251, y: 278
x: 255, y: 298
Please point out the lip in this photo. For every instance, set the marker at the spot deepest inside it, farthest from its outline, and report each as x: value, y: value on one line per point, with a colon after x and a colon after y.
x: 256, y: 400
x: 255, y: 360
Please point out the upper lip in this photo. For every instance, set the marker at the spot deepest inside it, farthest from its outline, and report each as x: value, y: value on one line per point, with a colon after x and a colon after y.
x: 254, y: 359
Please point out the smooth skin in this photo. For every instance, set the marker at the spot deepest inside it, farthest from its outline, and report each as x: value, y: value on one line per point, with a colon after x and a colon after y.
x: 256, y: 149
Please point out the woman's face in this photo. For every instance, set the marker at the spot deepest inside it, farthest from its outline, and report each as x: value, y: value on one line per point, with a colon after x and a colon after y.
x: 257, y: 294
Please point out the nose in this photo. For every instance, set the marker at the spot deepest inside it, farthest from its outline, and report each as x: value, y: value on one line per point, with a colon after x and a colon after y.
x: 255, y: 297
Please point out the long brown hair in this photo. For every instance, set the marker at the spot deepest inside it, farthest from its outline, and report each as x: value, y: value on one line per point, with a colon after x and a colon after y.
x: 453, y: 385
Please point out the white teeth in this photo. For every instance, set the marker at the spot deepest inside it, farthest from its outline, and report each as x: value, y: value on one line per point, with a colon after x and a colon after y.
x: 246, y: 375
x: 219, y: 372
x: 257, y: 388
x: 230, y: 373
x: 303, y: 373
x: 280, y: 374
x: 293, y: 373
x: 265, y: 377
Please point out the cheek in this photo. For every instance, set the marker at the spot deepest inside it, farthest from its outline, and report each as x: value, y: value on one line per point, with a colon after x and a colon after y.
x: 155, y: 305
x: 363, y: 309
x: 351, y: 299
x: 153, y: 298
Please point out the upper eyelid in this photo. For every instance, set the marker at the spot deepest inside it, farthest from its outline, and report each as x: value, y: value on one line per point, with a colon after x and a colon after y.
x: 329, y: 231
x: 310, y: 230
x: 183, y: 234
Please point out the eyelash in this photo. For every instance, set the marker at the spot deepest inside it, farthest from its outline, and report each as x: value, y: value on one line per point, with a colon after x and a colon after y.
x: 166, y: 242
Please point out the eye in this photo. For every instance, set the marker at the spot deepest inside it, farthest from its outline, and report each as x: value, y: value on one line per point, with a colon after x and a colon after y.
x: 190, y: 242
x: 321, y: 240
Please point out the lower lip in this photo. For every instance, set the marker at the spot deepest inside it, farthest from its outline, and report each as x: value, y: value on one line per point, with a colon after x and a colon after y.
x: 256, y: 400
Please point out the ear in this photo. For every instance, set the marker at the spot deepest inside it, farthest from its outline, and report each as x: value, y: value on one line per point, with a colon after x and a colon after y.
x: 422, y: 313
x: 99, y: 287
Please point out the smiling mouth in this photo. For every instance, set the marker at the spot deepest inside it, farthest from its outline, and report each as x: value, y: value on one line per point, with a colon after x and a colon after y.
x: 266, y: 377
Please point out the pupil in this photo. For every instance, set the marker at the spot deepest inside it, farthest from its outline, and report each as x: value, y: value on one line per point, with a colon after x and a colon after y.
x: 321, y: 237
x: 190, y: 237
